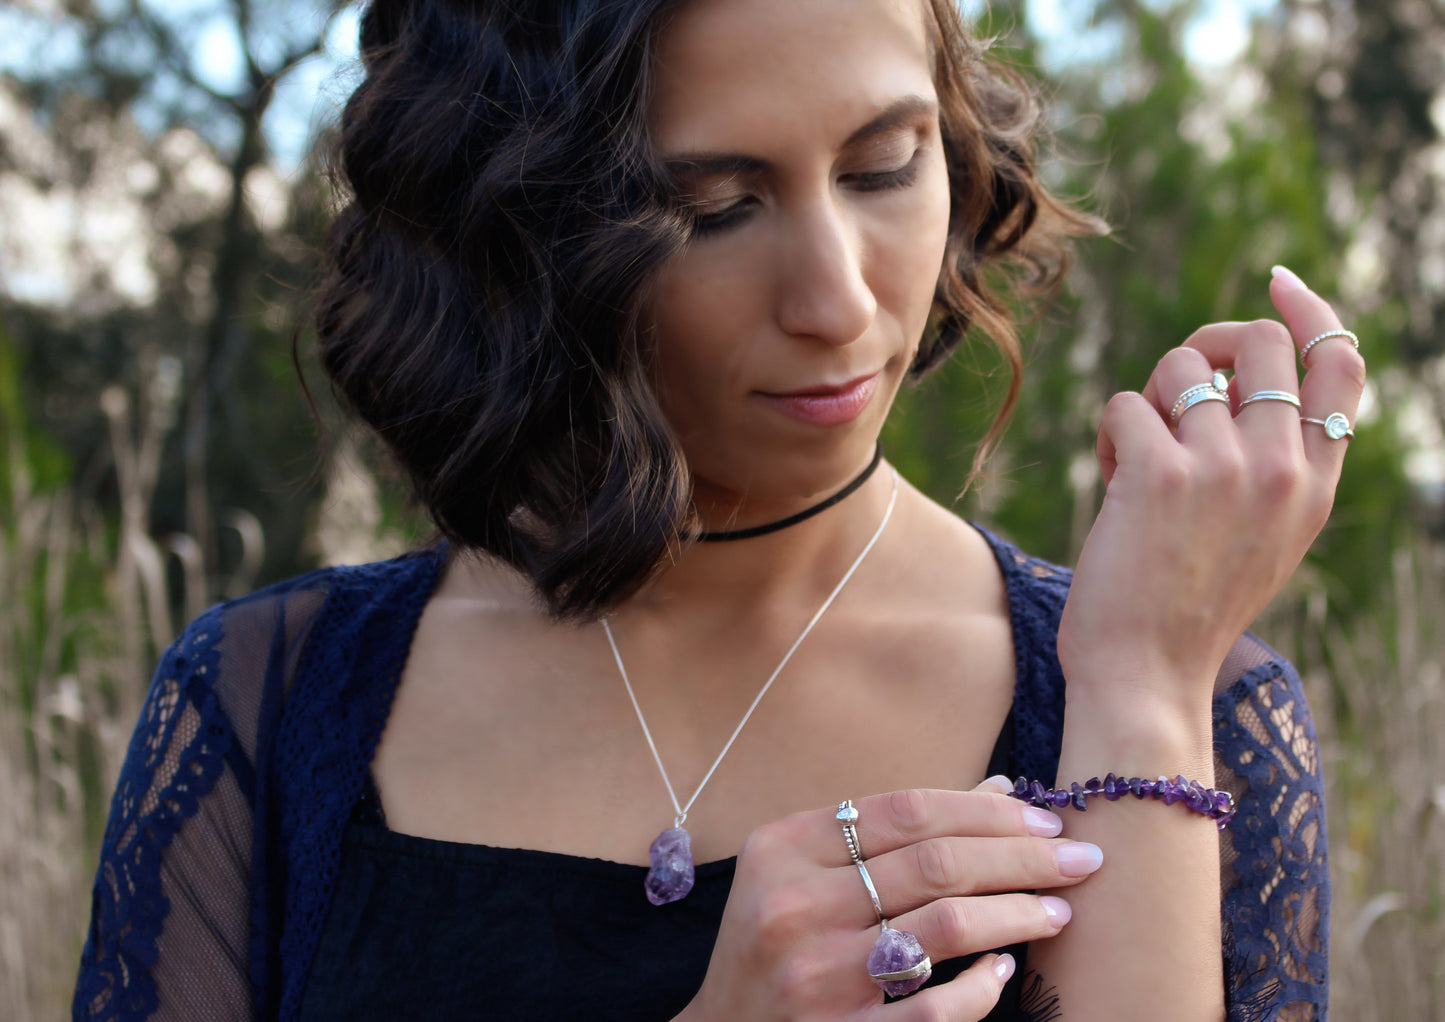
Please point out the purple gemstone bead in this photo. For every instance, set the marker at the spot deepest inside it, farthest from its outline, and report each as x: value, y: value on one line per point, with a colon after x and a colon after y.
x: 1038, y: 794
x: 1136, y: 785
x: 1021, y: 788
x: 1171, y: 793
x: 1147, y: 789
x: 1078, y: 798
x: 1112, y: 788
x: 1060, y: 797
x: 895, y: 951
x: 671, y: 875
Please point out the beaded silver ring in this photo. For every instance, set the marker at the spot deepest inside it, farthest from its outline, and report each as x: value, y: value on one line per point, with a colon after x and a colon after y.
x: 848, y: 817
x: 1217, y: 389
x: 1346, y: 334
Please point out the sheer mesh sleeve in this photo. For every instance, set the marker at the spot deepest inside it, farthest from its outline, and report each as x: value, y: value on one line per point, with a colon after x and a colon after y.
x: 172, y: 923
x: 1274, y: 866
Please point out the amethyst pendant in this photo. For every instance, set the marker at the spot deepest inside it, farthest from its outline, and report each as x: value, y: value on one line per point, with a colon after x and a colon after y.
x: 898, y: 963
x: 671, y: 875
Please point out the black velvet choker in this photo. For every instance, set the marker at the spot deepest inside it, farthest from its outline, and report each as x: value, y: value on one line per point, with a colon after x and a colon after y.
x: 801, y: 516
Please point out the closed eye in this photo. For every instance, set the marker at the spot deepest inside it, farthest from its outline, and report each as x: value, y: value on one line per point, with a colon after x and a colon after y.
x: 715, y: 221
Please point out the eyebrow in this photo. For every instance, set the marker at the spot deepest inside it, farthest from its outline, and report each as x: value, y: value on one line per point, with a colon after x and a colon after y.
x: 707, y: 164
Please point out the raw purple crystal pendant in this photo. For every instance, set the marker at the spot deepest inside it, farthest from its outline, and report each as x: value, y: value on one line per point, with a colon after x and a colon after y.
x: 671, y: 875
x: 897, y: 963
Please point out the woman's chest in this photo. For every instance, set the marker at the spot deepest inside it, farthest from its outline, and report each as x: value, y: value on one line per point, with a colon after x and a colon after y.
x: 500, y: 739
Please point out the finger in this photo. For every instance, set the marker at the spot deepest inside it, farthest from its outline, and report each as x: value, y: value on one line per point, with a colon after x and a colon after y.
x: 901, y: 818
x: 1262, y: 354
x: 1178, y: 371
x: 950, y: 867
x: 968, y: 997
x: 954, y: 927
x: 1335, y: 376
x: 1131, y: 429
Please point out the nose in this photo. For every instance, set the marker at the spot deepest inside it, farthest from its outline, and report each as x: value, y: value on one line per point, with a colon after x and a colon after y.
x: 823, y: 292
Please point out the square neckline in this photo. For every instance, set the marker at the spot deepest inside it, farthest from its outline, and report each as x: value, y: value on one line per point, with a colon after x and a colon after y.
x: 367, y: 824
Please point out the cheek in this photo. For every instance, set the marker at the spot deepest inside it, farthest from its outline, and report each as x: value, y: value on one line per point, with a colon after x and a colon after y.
x: 696, y: 317
x: 911, y: 252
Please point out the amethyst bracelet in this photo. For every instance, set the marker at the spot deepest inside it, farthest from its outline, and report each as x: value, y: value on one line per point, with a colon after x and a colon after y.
x: 1217, y: 805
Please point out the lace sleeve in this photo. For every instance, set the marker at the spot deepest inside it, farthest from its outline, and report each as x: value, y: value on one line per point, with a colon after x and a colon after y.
x: 168, y: 930
x: 1274, y: 868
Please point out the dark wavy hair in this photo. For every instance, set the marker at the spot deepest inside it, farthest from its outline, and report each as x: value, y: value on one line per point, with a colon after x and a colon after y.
x: 502, y: 215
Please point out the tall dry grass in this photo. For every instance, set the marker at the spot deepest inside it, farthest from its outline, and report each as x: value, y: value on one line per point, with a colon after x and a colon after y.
x: 62, y: 710
x: 1378, y: 683
x: 74, y: 662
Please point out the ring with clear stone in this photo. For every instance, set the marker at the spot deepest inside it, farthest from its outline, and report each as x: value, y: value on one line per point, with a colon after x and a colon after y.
x: 1346, y: 334
x: 1337, y: 426
x: 848, y: 817
x: 1216, y: 389
x: 1271, y: 395
x: 1197, y: 398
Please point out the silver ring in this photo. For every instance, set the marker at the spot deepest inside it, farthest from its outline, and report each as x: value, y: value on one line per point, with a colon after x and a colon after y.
x: 1271, y: 395
x: 1337, y: 426
x: 1199, y: 397
x: 1218, y: 385
x: 1346, y: 334
x: 848, y: 817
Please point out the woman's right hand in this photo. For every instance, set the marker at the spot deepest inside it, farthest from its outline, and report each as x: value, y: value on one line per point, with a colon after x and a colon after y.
x: 948, y: 866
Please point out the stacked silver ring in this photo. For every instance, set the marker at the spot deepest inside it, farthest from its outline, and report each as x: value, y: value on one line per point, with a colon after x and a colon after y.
x: 898, y: 964
x: 848, y: 817
x: 1346, y: 334
x: 1271, y: 395
x: 1217, y: 389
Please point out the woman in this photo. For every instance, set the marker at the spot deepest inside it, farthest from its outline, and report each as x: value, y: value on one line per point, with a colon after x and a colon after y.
x: 629, y: 289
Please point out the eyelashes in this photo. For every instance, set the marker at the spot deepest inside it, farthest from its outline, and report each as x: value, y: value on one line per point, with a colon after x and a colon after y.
x: 704, y: 224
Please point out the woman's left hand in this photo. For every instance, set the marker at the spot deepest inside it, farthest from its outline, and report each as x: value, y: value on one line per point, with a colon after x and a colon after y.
x: 1202, y: 525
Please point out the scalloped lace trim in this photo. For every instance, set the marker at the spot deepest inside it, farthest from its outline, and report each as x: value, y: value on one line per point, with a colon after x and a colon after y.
x: 176, y: 754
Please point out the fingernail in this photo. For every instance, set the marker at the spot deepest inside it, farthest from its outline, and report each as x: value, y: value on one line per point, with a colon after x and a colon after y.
x: 1079, y: 858
x: 1288, y: 278
x: 1000, y: 782
x: 1042, y: 823
x: 1003, y: 966
x: 1057, y: 909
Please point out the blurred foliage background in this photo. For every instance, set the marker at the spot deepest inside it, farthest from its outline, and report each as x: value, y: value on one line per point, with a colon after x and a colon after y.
x: 158, y: 228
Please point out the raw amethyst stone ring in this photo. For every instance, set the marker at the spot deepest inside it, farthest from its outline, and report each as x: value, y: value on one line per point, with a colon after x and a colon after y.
x: 897, y: 963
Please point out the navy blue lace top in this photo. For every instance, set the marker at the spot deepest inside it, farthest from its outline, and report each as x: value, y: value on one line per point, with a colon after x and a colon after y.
x: 247, y: 873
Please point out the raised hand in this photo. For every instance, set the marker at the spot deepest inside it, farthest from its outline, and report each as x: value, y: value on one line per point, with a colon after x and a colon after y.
x: 1204, y: 520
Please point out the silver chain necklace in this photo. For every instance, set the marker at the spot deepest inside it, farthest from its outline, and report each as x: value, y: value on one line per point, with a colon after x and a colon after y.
x: 671, y: 874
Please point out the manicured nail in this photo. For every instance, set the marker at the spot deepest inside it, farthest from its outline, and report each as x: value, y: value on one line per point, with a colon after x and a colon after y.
x: 1042, y: 823
x: 1057, y: 909
x: 1000, y: 782
x: 1004, y: 966
x: 1288, y: 278
x: 1078, y: 858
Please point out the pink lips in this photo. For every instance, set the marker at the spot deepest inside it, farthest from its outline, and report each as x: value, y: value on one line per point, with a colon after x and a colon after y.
x: 826, y: 405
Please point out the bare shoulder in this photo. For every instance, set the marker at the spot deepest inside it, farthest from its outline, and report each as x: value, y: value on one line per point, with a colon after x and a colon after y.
x: 949, y: 562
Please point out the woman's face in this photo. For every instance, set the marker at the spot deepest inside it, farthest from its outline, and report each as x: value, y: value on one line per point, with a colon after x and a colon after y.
x: 806, y: 135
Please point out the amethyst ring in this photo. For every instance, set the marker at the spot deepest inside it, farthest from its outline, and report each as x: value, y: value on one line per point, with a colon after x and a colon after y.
x: 898, y: 963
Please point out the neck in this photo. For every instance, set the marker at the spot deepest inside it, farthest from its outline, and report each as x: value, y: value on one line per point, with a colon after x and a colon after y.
x: 751, y: 577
